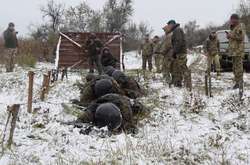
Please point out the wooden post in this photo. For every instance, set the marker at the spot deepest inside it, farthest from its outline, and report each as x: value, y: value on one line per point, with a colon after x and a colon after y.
x: 44, y: 87
x: 206, y: 85
x: 49, y: 76
x: 14, y: 112
x: 241, y: 90
x: 210, y: 86
x: 30, y: 90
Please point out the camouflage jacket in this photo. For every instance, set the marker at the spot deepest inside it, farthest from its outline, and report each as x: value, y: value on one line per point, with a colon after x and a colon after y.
x: 157, y: 48
x: 179, y: 41
x: 94, y: 47
x: 147, y: 48
x: 166, y: 47
x: 236, y: 41
x: 10, y: 39
x: 212, y: 46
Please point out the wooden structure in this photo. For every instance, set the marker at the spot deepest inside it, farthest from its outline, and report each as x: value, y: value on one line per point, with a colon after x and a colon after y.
x: 71, y: 53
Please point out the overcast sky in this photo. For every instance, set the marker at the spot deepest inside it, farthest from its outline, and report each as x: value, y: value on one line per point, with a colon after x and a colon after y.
x: 155, y: 12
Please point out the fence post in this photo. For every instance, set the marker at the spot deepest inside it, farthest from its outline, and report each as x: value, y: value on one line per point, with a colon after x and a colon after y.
x: 44, y: 87
x: 30, y: 91
x: 206, y: 85
x: 14, y: 112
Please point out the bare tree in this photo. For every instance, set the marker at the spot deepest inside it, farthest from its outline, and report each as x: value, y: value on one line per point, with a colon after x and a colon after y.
x: 244, y: 11
x: 54, y: 11
x: 117, y: 14
x: 77, y: 18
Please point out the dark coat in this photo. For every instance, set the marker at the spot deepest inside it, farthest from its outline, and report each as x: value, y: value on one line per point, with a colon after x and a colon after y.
x: 10, y: 39
x: 178, y: 41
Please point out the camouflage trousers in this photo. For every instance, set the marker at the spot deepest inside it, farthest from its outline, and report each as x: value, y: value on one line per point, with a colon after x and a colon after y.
x: 214, y: 59
x: 147, y: 59
x: 181, y: 72
x: 158, y: 62
x: 95, y: 60
x: 238, y: 69
x: 9, y: 59
x: 167, y: 68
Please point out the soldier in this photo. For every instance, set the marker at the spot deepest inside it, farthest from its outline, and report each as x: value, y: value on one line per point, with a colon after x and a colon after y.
x: 108, y: 59
x: 180, y: 69
x: 146, y: 49
x: 236, y: 48
x: 212, y: 47
x: 167, y: 52
x: 157, y: 54
x: 11, y: 45
x: 94, y: 48
x: 97, y: 86
x: 105, y: 111
x: 128, y: 85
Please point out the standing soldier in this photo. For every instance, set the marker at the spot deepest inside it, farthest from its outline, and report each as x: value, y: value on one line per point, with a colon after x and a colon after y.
x: 147, y: 52
x: 180, y: 69
x: 236, y: 48
x: 212, y: 48
x: 157, y: 54
x: 167, y: 52
x: 94, y: 48
x: 11, y: 45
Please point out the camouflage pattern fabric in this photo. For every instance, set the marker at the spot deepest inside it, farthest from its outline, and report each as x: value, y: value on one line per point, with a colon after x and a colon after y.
x: 236, y: 48
x: 9, y: 58
x: 147, y: 55
x: 158, y: 57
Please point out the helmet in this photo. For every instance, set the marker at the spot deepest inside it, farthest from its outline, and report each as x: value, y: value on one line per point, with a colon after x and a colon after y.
x: 109, y: 70
x: 103, y: 87
x: 90, y: 77
x: 120, y: 77
x: 108, y: 114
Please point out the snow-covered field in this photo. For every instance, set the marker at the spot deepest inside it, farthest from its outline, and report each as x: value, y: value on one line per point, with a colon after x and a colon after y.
x: 181, y: 129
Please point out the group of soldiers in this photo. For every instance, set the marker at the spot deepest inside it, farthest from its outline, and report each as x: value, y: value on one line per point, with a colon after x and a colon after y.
x: 111, y: 100
x: 170, y: 54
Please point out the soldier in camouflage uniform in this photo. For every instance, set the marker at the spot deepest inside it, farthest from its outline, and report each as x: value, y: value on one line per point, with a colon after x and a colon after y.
x: 167, y: 52
x: 11, y: 45
x: 94, y: 47
x: 127, y: 109
x: 146, y: 49
x: 212, y: 47
x: 236, y: 48
x: 157, y: 54
x: 97, y: 86
x: 180, y: 69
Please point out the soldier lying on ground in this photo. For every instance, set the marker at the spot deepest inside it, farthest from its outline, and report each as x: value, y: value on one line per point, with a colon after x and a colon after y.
x: 95, y: 87
x: 129, y: 85
x: 115, y: 111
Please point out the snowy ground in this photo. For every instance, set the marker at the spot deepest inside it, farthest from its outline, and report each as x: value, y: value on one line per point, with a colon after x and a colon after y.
x: 180, y: 130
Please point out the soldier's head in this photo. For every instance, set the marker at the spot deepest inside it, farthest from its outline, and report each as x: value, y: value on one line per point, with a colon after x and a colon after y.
x: 91, y: 77
x: 171, y: 24
x: 109, y: 70
x: 234, y: 19
x: 156, y: 39
x: 11, y: 26
x: 103, y: 87
x: 213, y: 35
x: 106, y: 50
x: 108, y: 114
x: 120, y: 77
x: 92, y: 36
x: 147, y: 38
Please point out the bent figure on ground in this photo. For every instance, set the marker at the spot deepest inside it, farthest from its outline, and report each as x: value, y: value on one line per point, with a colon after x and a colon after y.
x: 97, y: 86
x: 180, y: 69
x: 11, y: 45
x: 94, y: 46
x: 108, y: 59
x: 113, y: 110
x: 129, y: 86
x: 212, y: 48
x: 146, y: 50
x: 236, y: 48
